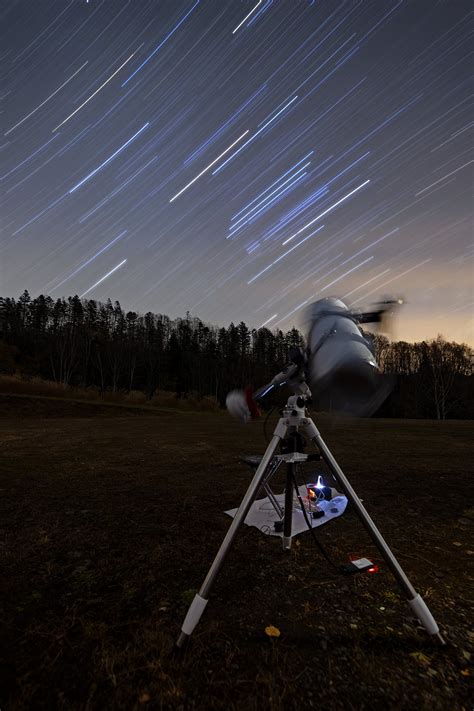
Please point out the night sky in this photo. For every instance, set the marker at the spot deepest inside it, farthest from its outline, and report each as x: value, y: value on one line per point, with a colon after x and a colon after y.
x: 238, y: 159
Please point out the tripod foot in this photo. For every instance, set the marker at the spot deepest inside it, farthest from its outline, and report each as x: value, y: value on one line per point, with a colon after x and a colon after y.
x: 192, y: 618
x: 181, y: 640
x: 421, y: 610
x: 286, y: 543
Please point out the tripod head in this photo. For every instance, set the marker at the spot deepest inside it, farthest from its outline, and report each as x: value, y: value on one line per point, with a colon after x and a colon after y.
x: 293, y: 375
x: 242, y: 404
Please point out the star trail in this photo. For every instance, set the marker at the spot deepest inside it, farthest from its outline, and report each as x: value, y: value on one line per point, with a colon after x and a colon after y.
x: 240, y: 159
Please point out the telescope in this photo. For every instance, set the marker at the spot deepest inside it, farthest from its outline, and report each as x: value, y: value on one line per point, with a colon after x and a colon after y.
x: 343, y: 371
x: 339, y: 363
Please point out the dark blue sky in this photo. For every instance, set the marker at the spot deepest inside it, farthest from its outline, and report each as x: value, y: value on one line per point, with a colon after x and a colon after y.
x: 240, y: 159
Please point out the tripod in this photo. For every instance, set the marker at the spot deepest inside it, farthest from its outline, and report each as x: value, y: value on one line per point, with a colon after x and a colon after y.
x: 293, y: 420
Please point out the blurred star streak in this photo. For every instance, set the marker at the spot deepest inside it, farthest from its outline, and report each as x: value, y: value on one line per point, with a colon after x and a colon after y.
x: 200, y: 146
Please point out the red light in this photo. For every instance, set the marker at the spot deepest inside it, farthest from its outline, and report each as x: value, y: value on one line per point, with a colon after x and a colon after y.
x: 374, y: 569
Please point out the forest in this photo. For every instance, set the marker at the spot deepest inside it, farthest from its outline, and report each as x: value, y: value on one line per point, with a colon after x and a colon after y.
x: 91, y: 345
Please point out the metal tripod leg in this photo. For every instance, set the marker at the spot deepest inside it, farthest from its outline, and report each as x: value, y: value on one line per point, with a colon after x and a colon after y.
x: 288, y: 520
x: 200, y: 599
x: 273, y: 500
x: 416, y: 602
x: 271, y: 470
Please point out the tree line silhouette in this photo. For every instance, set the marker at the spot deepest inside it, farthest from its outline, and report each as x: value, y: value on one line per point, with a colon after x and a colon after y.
x: 88, y: 344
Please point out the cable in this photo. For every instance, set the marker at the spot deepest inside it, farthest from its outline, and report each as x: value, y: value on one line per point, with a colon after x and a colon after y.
x: 358, y: 566
x: 317, y: 542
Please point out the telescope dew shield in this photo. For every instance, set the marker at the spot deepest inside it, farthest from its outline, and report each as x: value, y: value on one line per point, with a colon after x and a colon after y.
x: 342, y: 368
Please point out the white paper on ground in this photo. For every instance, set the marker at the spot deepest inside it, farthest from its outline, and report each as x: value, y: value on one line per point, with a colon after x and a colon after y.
x: 262, y: 515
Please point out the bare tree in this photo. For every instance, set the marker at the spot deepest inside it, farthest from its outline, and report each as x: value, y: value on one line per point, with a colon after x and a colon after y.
x: 442, y: 364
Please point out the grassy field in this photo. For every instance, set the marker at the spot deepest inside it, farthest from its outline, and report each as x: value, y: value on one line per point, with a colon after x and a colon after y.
x: 111, y: 515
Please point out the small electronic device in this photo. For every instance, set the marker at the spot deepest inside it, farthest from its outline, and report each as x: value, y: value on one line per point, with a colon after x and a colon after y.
x: 359, y: 565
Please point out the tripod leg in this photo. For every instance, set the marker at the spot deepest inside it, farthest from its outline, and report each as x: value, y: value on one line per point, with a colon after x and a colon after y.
x: 201, y: 598
x: 288, y: 520
x: 416, y: 602
x: 272, y: 468
x: 273, y: 501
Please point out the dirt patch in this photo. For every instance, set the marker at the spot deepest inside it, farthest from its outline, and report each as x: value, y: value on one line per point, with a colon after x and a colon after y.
x: 109, y: 525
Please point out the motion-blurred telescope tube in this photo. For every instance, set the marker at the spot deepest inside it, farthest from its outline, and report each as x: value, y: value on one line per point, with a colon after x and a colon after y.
x: 342, y: 368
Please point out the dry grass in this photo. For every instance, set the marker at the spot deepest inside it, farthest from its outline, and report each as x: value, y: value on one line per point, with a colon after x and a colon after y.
x: 32, y: 386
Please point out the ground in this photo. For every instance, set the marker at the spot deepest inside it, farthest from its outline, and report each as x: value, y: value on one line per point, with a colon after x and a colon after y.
x: 110, y: 518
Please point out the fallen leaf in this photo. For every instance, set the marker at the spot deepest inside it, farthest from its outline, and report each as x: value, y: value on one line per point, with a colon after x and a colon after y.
x: 421, y: 658
x: 465, y: 672
x: 272, y: 631
x: 143, y: 698
x: 456, y: 543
